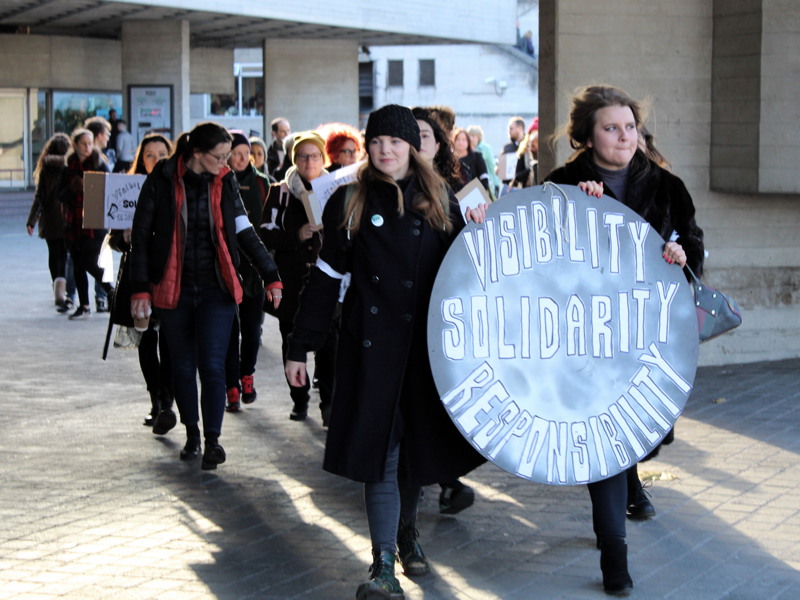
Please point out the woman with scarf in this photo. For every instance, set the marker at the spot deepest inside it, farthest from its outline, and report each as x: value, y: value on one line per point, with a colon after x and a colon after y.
x: 286, y: 231
x: 189, y: 229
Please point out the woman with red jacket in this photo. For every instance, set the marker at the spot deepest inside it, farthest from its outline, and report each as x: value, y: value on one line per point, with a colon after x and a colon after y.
x: 188, y: 230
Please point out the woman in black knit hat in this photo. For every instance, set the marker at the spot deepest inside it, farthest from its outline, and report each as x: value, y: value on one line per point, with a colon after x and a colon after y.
x: 385, y: 238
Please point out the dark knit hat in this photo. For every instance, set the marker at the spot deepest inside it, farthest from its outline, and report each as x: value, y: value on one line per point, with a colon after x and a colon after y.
x: 393, y: 120
x: 238, y: 138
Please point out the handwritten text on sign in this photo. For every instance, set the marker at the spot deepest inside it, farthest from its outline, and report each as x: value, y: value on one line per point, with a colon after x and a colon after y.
x: 563, y: 345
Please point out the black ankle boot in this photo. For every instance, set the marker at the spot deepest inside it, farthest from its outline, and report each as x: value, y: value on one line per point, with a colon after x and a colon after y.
x: 150, y: 419
x: 614, y: 565
x: 382, y: 584
x: 409, y: 551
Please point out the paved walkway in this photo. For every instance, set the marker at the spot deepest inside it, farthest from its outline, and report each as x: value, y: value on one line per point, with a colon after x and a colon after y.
x: 92, y: 505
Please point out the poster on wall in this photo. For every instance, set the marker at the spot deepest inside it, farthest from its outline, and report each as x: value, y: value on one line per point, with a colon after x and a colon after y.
x: 563, y: 345
x: 150, y: 110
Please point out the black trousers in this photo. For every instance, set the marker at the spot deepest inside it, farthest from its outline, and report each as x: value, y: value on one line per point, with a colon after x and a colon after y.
x: 245, y: 340
x: 609, y: 507
x: 85, y: 252
x: 57, y: 258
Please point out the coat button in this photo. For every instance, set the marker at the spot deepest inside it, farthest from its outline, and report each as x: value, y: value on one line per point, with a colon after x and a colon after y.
x: 407, y: 318
x: 415, y: 231
x: 408, y: 284
x: 375, y: 279
x: 417, y: 222
x: 373, y: 310
x: 366, y: 343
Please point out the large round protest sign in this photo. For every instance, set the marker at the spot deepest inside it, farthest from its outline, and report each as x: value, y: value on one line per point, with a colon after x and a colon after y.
x: 563, y: 345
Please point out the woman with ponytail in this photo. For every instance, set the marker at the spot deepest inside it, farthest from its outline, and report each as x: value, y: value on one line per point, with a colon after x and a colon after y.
x: 189, y: 229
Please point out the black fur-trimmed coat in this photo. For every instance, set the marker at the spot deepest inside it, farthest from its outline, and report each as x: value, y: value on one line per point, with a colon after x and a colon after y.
x: 653, y: 193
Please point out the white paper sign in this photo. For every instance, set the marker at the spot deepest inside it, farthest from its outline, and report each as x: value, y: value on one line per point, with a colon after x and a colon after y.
x: 510, y: 162
x: 472, y: 195
x: 324, y: 186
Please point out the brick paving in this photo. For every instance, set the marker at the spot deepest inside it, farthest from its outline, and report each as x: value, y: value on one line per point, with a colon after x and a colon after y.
x: 92, y: 505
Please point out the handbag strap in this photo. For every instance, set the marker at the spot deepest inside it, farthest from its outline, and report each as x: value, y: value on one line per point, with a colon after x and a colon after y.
x: 691, y: 273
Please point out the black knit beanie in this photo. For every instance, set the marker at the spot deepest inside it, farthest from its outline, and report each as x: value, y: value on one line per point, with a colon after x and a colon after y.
x: 238, y: 138
x: 395, y: 121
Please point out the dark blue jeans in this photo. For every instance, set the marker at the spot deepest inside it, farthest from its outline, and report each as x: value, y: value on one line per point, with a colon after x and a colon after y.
x: 197, y: 333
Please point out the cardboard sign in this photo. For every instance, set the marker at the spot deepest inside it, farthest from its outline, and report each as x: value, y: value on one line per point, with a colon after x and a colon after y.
x: 313, y: 208
x: 471, y: 195
x: 109, y: 199
x: 507, y: 166
x: 562, y: 344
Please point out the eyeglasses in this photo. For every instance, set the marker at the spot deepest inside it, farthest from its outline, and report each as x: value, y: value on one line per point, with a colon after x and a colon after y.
x: 304, y: 157
x: 219, y: 159
x: 347, y: 152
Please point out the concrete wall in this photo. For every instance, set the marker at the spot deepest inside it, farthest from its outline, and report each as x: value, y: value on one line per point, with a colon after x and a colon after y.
x: 211, y: 71
x: 157, y: 53
x: 755, y: 114
x: 663, y: 52
x: 73, y: 63
x: 310, y: 82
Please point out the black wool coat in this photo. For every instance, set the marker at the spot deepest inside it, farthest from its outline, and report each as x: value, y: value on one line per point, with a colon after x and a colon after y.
x: 384, y: 388
x: 657, y: 195
x: 283, y: 216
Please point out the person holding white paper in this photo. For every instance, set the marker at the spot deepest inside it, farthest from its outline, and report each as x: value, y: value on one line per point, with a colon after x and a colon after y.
x: 295, y: 243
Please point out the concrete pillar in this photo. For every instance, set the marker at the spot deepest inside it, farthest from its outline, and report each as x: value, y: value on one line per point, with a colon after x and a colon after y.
x: 157, y: 53
x: 310, y: 82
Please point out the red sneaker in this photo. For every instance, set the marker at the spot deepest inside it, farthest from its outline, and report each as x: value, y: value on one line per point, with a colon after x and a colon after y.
x: 248, y: 391
x: 233, y: 400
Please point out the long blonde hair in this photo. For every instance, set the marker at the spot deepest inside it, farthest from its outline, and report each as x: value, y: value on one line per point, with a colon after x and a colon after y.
x: 432, y: 199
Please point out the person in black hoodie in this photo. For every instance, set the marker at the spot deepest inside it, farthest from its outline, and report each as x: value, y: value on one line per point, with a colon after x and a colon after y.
x: 603, y: 130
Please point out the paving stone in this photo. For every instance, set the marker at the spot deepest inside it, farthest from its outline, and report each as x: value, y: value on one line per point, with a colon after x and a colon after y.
x: 94, y: 506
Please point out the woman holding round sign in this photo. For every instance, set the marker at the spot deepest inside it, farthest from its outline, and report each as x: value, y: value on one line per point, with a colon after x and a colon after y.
x: 604, y: 131
x: 387, y: 235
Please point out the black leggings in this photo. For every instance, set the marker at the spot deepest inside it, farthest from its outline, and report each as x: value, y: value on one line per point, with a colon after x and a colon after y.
x: 156, y: 371
x: 57, y: 258
x: 85, y: 253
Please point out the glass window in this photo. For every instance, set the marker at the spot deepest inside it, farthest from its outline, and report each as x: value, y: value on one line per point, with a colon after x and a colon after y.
x: 71, y: 109
x: 427, y: 71
x: 395, y: 75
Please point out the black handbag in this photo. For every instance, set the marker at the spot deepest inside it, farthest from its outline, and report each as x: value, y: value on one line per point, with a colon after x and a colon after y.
x: 716, y: 312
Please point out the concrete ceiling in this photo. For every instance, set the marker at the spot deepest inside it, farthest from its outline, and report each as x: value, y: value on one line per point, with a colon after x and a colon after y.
x: 101, y: 19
